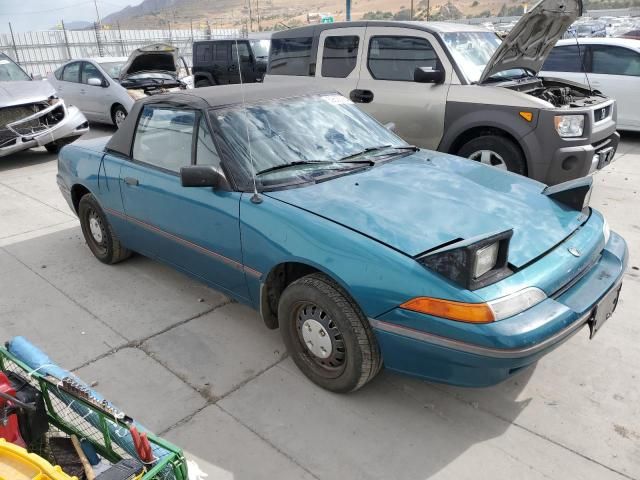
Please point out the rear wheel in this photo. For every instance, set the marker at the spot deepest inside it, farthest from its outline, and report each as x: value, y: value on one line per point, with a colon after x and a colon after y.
x: 98, y: 233
x: 327, y: 335
x: 118, y: 114
x: 203, y: 83
x: 495, y: 151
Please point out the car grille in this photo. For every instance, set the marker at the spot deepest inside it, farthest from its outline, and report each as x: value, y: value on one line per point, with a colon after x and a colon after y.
x: 28, y: 120
x: 603, y: 113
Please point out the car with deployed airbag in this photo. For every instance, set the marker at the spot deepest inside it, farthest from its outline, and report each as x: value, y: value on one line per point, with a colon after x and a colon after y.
x: 362, y: 249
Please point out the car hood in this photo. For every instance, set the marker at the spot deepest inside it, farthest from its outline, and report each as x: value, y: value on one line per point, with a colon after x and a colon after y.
x: 530, y: 41
x: 420, y: 202
x: 23, y: 92
x: 158, y: 57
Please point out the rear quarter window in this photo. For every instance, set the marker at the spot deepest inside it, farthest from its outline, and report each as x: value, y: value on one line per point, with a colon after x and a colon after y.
x: 290, y: 56
x: 566, y: 59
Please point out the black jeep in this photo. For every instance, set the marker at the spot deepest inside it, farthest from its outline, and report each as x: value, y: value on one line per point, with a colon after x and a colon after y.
x: 216, y: 62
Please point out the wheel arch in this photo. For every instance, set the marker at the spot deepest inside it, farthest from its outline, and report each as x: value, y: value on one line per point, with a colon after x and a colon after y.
x: 204, y: 76
x: 279, y: 277
x: 77, y: 192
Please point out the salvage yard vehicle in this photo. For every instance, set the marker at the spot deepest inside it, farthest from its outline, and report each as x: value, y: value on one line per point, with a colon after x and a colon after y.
x: 105, y: 88
x: 32, y: 115
x: 609, y: 65
x: 361, y: 248
x: 460, y: 89
x: 220, y: 62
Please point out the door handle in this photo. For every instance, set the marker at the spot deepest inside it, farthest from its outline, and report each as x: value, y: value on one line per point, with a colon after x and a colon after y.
x: 131, y: 181
x: 361, y: 96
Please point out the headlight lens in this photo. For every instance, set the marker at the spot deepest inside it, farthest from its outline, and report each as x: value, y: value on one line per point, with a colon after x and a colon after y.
x: 569, y: 125
x: 515, y: 303
x: 485, y: 259
x: 606, y: 231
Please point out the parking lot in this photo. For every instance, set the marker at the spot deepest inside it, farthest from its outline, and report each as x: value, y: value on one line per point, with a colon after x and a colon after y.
x: 205, y: 373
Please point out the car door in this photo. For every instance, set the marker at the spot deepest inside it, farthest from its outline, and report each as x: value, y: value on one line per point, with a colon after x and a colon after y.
x: 386, y: 88
x: 94, y: 97
x: 221, y: 61
x: 615, y: 71
x: 69, y: 85
x: 340, y: 51
x: 241, y: 61
x: 196, y: 229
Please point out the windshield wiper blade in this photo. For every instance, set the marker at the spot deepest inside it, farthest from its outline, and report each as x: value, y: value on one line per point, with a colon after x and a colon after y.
x: 292, y: 164
x: 377, y: 149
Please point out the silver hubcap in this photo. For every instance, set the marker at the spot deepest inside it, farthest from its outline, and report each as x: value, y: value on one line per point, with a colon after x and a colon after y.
x: 316, y: 338
x: 120, y: 116
x: 96, y: 230
x: 489, y: 157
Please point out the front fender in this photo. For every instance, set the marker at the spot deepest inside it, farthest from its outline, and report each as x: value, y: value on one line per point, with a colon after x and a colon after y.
x: 377, y: 277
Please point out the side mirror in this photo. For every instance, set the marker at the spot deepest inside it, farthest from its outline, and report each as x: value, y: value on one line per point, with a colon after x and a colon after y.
x: 201, y: 176
x: 429, y: 75
x: 391, y: 126
x: 95, y: 82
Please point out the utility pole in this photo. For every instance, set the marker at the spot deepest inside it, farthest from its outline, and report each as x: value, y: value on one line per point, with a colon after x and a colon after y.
x: 66, y: 39
x: 95, y: 2
x: 250, y: 18
x: 258, y: 14
x: 428, y: 9
x: 348, y: 10
x: 411, y: 15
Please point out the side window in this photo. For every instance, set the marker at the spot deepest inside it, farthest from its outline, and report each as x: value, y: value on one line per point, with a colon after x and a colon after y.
x: 164, y: 137
x: 290, y: 56
x: 71, y: 73
x: 221, y: 52
x: 58, y: 73
x: 339, y: 56
x: 204, y: 52
x: 615, y: 61
x: 240, y: 50
x: 566, y: 59
x: 206, y: 153
x: 89, y: 70
x: 396, y: 58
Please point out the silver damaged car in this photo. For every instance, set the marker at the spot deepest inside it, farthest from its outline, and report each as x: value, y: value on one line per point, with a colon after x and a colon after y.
x: 32, y: 115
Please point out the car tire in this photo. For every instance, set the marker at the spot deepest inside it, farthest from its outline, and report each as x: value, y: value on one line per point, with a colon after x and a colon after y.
x: 118, y: 115
x: 203, y: 83
x: 496, y: 151
x: 98, y: 233
x: 343, y: 354
x: 53, y: 147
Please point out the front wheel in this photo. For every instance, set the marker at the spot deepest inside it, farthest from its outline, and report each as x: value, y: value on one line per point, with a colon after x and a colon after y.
x: 495, y: 151
x: 118, y: 115
x: 53, y: 147
x: 203, y: 83
x: 98, y: 233
x: 328, y: 337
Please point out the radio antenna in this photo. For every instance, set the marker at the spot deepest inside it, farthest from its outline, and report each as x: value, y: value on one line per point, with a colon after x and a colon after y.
x: 255, y: 198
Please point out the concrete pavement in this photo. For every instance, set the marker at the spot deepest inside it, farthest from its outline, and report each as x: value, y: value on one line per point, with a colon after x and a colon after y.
x: 204, y: 372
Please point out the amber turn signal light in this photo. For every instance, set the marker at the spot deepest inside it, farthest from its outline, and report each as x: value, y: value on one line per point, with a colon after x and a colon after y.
x: 528, y: 116
x: 459, y: 311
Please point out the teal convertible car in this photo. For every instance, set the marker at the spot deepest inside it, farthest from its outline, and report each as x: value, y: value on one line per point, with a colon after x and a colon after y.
x: 361, y: 249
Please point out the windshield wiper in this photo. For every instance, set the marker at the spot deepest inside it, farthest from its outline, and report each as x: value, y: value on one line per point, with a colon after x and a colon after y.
x: 377, y: 149
x: 308, y: 162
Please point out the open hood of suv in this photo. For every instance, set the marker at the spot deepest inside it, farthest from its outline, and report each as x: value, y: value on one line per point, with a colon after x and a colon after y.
x: 158, y: 57
x: 530, y: 41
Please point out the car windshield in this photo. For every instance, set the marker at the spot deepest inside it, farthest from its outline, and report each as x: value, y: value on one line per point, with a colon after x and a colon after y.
x: 311, y: 134
x: 112, y: 68
x: 473, y: 50
x: 260, y: 48
x: 10, y: 72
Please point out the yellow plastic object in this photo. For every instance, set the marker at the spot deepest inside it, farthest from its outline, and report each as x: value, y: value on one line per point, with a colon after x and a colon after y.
x: 18, y: 464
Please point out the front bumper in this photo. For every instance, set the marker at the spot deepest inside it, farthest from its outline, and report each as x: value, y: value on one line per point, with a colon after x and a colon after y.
x: 73, y: 125
x: 483, y: 355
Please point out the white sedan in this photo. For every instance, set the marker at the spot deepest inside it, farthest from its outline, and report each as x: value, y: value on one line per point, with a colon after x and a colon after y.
x: 105, y: 88
x: 611, y: 65
x: 92, y: 84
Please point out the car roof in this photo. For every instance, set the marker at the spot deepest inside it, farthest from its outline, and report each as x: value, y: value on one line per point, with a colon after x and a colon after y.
x: 431, y: 27
x: 614, y: 41
x: 208, y: 97
x: 98, y: 59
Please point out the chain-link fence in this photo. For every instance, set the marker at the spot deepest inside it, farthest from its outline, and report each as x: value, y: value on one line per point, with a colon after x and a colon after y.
x: 42, y: 52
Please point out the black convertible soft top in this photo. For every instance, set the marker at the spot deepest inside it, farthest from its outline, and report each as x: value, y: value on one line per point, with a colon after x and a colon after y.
x: 208, y: 97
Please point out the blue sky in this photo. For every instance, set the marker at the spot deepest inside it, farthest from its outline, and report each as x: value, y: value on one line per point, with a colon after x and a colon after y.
x: 30, y: 15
